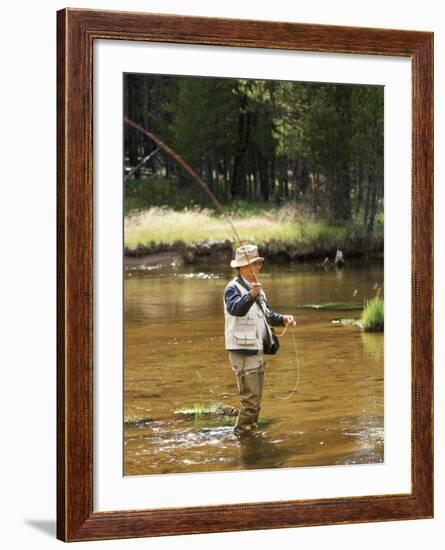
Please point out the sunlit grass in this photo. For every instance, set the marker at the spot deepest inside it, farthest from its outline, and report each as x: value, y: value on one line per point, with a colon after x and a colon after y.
x: 373, y: 315
x: 165, y: 225
x: 199, y: 409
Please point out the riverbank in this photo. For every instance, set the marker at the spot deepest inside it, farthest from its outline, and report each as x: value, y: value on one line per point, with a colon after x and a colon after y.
x: 284, y: 234
x: 156, y: 253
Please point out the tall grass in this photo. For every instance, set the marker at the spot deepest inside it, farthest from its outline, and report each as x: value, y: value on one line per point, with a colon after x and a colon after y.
x: 193, y: 225
x: 373, y: 315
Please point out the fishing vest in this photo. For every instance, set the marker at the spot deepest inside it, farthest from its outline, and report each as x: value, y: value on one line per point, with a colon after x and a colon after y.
x: 245, y: 332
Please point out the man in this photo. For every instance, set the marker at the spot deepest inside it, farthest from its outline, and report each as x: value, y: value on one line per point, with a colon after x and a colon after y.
x: 247, y: 327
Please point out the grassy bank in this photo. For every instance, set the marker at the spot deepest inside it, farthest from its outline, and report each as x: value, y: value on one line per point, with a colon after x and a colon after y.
x: 287, y: 225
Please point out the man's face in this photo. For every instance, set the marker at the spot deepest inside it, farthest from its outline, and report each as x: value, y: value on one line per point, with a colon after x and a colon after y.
x: 251, y: 271
x: 256, y: 266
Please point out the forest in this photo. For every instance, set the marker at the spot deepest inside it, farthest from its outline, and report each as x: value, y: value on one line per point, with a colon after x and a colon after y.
x: 258, y: 143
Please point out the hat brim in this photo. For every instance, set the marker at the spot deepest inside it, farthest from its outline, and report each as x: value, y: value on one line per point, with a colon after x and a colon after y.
x: 242, y: 263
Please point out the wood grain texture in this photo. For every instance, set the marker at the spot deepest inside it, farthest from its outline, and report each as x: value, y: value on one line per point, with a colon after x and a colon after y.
x: 77, y: 30
x: 61, y: 362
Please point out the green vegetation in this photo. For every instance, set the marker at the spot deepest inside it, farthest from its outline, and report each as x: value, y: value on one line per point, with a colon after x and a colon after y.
x: 157, y: 192
x: 199, y: 410
x: 164, y: 225
x: 214, y: 415
x: 267, y: 143
x: 373, y: 315
x: 134, y: 418
x: 286, y: 225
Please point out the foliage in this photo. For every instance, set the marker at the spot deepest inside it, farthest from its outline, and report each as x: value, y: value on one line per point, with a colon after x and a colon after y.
x: 254, y: 140
x: 203, y: 119
x: 157, y: 192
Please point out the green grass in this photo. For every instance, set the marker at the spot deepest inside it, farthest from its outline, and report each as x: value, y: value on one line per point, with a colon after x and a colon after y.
x: 288, y: 225
x: 199, y: 409
x: 373, y: 315
x: 212, y: 415
x: 165, y: 225
x: 164, y: 211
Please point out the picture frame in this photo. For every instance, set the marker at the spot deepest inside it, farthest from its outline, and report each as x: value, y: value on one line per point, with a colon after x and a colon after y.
x: 76, y: 32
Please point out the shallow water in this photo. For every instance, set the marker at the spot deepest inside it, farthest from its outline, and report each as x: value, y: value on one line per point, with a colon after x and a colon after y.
x: 175, y: 357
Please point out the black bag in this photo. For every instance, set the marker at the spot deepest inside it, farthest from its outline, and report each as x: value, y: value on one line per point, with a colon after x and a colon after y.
x: 271, y: 348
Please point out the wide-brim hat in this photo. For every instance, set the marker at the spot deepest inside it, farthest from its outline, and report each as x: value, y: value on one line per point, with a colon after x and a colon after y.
x: 245, y: 255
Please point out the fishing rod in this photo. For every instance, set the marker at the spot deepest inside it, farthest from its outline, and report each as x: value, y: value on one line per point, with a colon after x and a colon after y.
x: 188, y: 169
x: 197, y: 177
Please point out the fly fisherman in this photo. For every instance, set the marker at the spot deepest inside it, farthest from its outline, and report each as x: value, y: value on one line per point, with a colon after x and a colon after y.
x: 248, y: 335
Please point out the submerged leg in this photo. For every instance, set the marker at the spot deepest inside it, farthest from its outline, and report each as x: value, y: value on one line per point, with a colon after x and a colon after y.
x: 249, y: 374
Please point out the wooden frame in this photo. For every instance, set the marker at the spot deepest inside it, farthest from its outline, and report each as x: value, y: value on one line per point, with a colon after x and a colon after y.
x: 77, y: 30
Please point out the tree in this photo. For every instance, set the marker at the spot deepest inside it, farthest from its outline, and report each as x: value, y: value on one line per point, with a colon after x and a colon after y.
x: 203, y: 124
x: 313, y: 125
x: 254, y: 139
x: 367, y: 151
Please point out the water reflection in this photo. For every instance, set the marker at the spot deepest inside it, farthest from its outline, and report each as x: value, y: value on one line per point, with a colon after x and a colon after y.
x: 261, y: 451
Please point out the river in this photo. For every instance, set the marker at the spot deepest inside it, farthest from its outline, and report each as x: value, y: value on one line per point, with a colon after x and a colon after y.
x: 175, y: 358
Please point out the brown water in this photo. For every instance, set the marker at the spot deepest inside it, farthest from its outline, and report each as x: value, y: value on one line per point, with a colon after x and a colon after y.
x: 175, y: 357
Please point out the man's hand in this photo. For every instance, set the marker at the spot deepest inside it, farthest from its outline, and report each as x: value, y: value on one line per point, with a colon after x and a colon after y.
x: 256, y: 289
x: 289, y: 321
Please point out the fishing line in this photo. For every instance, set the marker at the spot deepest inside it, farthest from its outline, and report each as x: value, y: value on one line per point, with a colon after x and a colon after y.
x: 292, y: 392
x: 195, y: 175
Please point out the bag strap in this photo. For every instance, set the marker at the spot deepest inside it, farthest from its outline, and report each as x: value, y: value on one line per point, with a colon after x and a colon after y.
x: 241, y: 281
